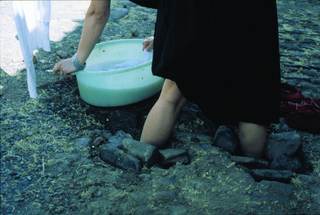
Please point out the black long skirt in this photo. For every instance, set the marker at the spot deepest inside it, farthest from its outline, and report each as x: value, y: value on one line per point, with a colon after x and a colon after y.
x: 223, y: 56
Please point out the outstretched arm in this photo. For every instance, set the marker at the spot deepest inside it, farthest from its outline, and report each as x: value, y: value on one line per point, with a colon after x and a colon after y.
x: 95, y: 20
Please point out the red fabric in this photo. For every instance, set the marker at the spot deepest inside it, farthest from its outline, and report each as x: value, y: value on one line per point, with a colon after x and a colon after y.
x: 299, y: 112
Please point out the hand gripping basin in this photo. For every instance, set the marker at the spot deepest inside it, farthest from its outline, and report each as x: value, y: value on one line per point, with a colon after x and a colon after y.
x: 118, y: 73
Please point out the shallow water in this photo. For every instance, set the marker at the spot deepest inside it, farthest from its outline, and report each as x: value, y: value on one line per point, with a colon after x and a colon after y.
x: 120, y: 64
x: 115, y: 65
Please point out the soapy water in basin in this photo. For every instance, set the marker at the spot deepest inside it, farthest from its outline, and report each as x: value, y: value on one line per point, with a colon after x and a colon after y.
x: 119, y: 64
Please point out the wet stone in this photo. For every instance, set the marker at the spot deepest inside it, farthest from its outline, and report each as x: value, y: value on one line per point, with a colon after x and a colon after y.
x: 147, y: 153
x: 250, y: 163
x: 271, y: 175
x: 171, y: 156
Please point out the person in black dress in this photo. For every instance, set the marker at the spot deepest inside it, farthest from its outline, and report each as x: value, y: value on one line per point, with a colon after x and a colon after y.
x: 222, y: 55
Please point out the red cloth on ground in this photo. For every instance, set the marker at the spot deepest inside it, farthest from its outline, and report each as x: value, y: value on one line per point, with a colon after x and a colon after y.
x: 299, y: 112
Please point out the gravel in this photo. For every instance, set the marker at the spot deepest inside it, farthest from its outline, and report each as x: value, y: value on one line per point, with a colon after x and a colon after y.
x: 48, y: 165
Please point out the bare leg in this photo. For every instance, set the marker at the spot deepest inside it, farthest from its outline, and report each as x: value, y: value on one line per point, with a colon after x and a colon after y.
x: 252, y: 139
x: 162, y: 117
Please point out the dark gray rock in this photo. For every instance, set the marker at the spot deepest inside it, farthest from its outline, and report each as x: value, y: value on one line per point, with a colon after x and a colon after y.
x: 271, y: 175
x: 119, y: 158
x: 147, y: 153
x: 285, y: 143
x: 171, y: 156
x: 224, y: 138
x: 115, y: 141
x: 250, y: 163
x: 117, y: 13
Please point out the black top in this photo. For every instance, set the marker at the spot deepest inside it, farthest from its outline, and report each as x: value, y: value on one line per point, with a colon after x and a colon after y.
x: 147, y: 3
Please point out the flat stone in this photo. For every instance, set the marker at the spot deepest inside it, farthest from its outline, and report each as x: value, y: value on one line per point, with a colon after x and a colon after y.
x: 224, y: 138
x: 171, y: 156
x: 119, y: 158
x: 147, y: 153
x: 271, y: 175
x: 250, y: 163
x: 285, y: 143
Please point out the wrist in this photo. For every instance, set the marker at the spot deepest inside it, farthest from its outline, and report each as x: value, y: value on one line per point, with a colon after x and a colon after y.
x: 77, y: 64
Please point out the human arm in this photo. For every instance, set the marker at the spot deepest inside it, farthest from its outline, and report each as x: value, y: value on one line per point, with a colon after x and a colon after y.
x: 95, y: 20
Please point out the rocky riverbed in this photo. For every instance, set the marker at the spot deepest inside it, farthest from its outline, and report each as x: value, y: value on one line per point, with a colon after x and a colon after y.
x: 56, y: 150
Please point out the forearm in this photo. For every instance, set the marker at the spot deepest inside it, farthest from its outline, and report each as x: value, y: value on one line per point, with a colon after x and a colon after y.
x: 94, y: 24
